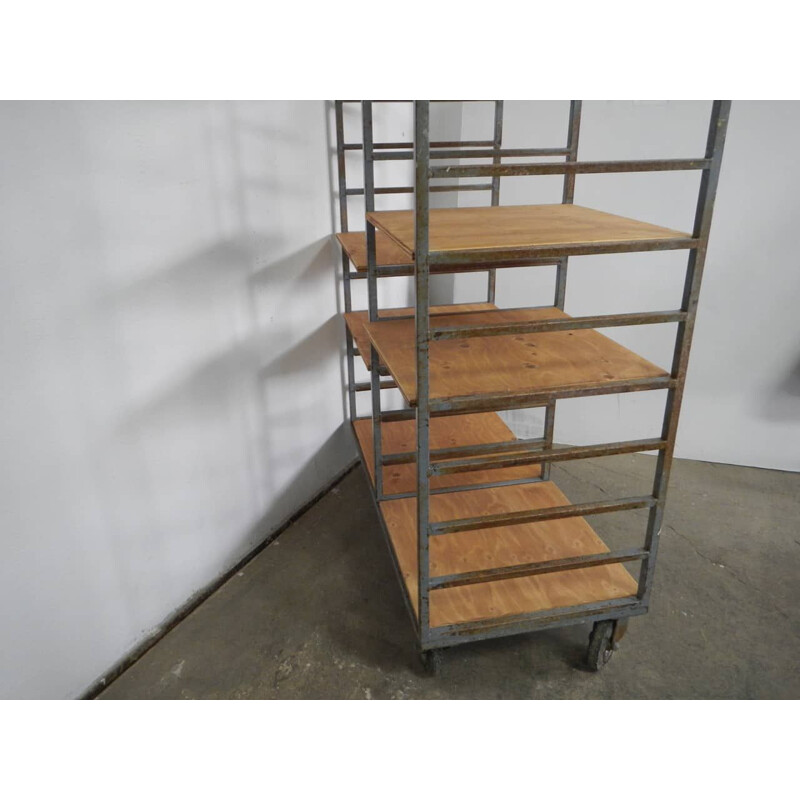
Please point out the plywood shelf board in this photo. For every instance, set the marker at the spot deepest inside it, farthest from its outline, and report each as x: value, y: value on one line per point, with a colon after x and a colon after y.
x: 468, y: 429
x: 497, y: 364
x: 388, y: 253
x: 357, y: 319
x: 517, y: 228
x: 500, y: 547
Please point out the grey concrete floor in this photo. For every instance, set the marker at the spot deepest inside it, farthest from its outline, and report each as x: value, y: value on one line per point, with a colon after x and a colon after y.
x: 318, y: 614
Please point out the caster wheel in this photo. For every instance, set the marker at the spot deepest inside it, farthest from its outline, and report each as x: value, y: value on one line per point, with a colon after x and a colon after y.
x: 431, y: 661
x: 601, y: 645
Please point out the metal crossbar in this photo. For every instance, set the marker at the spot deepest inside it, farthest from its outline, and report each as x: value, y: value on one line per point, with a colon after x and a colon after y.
x: 550, y: 325
x: 366, y: 386
x: 508, y: 400
x: 439, y: 258
x: 520, y: 152
x: 410, y: 145
x: 525, y: 453
x: 538, y: 515
x: 538, y: 568
x: 449, y: 635
x: 440, y: 454
x: 444, y: 187
x: 574, y: 167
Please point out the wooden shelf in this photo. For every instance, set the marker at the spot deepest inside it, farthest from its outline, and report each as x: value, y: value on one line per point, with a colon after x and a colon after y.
x: 519, y: 228
x: 520, y: 363
x: 388, y: 253
x: 469, y: 429
x: 357, y: 319
x: 499, y: 547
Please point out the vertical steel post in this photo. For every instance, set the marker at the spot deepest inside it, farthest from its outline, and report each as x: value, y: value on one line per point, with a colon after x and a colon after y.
x: 342, y: 164
x: 348, y: 300
x: 422, y: 327
x: 573, y: 134
x: 568, y: 195
x: 497, y: 143
x: 715, y: 144
x: 372, y: 292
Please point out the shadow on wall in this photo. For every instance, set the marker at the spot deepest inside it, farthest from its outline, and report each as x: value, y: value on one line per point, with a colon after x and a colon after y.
x: 784, y: 402
x: 247, y: 363
x: 229, y: 408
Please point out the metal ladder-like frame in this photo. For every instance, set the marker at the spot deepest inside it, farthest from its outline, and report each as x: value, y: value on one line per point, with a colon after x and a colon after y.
x: 534, y: 451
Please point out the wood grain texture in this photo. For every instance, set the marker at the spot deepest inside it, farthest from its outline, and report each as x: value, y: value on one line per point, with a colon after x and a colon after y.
x: 495, y: 364
x: 517, y: 227
x: 499, y: 547
x: 357, y: 319
x: 467, y: 429
x: 388, y: 253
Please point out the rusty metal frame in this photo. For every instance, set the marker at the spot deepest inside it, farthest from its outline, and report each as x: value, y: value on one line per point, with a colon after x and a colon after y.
x: 454, y: 460
x: 370, y: 192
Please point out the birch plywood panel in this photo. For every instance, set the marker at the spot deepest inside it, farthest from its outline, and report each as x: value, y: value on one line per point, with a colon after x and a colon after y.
x: 498, y: 364
x: 387, y: 251
x: 469, y: 429
x: 517, y: 227
x: 498, y: 547
x: 357, y: 319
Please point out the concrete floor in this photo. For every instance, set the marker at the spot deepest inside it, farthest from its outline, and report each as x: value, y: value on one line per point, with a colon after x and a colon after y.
x: 318, y: 613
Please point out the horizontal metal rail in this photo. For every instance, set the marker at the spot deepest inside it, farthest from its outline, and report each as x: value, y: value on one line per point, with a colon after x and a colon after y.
x: 494, y: 402
x: 448, y: 635
x: 465, y: 487
x: 440, y: 489
x: 444, y: 314
x: 410, y: 456
x: 377, y: 101
x: 529, y: 261
x: 519, y: 458
x: 366, y: 386
x: 469, y: 404
x: 537, y: 568
x: 442, y: 261
x: 411, y: 101
x: 549, y: 325
x: 410, y: 145
x: 398, y: 270
x: 507, y: 256
x: 520, y: 152
x: 569, y: 167
x: 493, y: 309
x: 442, y: 187
x: 401, y: 414
x: 539, y: 515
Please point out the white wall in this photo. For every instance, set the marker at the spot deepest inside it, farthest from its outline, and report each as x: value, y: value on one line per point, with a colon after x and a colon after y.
x: 170, y: 363
x: 742, y: 401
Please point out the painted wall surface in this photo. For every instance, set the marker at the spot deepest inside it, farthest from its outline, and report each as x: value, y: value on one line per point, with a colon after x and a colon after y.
x: 170, y: 349
x: 742, y: 400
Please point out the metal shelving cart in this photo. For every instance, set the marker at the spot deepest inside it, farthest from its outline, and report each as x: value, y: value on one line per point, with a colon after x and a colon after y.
x: 484, y: 543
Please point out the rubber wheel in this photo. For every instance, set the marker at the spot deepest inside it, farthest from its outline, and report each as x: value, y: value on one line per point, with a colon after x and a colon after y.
x: 431, y: 661
x: 601, y: 645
